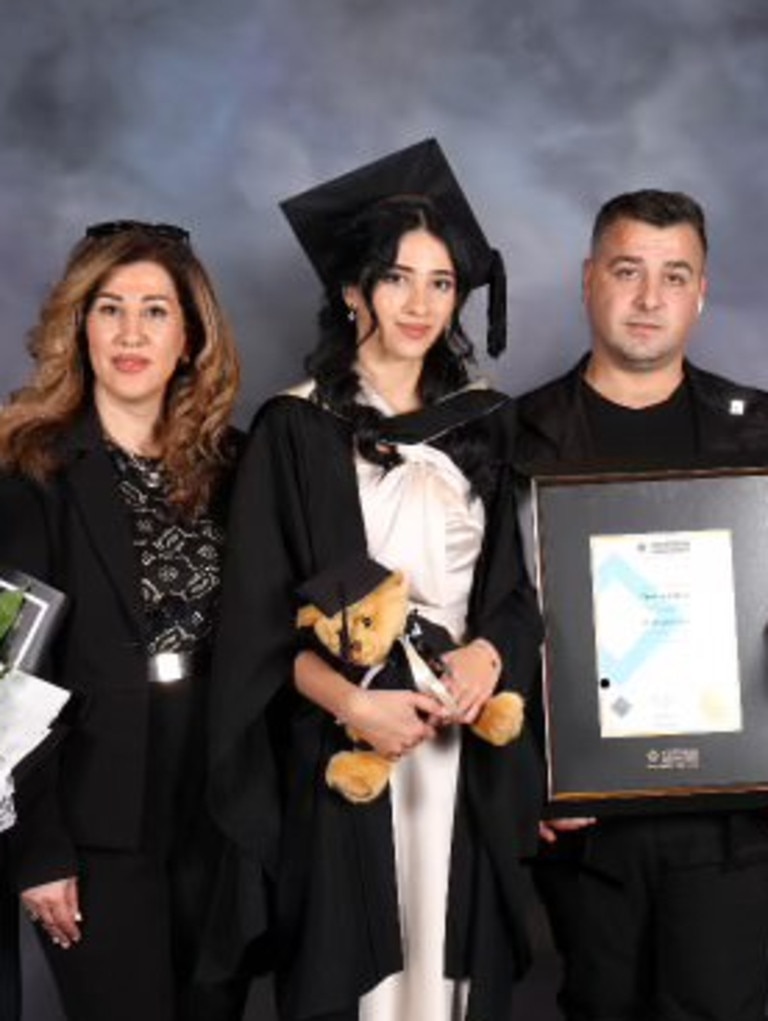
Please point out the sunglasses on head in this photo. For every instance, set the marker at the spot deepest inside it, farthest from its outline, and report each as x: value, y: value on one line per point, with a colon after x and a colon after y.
x: 160, y: 230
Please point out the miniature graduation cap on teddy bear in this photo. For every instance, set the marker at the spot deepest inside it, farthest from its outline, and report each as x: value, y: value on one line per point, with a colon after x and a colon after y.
x: 359, y: 613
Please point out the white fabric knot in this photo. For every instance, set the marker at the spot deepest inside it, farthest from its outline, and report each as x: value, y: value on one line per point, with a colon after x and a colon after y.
x: 420, y: 517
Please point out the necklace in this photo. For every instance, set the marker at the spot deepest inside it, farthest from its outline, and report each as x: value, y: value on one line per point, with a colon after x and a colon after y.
x: 149, y: 469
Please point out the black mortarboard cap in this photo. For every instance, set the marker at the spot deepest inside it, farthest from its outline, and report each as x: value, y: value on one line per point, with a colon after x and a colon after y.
x: 343, y: 584
x: 318, y: 217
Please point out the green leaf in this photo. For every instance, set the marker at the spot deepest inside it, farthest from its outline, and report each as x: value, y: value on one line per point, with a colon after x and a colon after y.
x: 10, y: 605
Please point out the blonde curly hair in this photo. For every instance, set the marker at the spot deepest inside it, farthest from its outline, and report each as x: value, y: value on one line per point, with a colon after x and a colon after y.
x: 192, y: 432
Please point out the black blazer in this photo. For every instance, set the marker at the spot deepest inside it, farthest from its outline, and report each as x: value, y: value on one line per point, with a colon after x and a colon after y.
x: 75, y: 532
x: 730, y: 420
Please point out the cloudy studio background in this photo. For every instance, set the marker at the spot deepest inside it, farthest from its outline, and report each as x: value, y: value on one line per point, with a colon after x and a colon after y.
x: 207, y: 112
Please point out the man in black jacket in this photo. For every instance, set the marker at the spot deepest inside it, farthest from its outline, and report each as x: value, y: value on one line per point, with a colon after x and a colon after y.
x: 657, y: 917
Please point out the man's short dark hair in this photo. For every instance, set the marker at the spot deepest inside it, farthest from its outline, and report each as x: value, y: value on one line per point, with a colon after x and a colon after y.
x: 658, y: 208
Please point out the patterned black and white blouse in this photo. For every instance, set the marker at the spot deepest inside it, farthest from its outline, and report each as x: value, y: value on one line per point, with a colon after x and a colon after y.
x: 179, y: 560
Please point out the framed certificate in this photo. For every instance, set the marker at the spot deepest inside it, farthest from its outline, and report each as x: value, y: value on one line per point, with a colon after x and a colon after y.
x: 654, y: 590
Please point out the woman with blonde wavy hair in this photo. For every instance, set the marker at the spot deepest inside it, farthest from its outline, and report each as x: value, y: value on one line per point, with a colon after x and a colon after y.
x: 114, y: 468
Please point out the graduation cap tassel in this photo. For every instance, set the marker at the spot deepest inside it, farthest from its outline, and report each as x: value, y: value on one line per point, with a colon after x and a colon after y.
x: 344, y: 642
x: 497, y: 305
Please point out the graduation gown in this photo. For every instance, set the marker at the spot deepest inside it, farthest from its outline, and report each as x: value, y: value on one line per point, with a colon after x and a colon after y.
x: 310, y: 875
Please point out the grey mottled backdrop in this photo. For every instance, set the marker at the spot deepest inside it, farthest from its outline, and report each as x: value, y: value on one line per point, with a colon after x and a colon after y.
x: 206, y: 112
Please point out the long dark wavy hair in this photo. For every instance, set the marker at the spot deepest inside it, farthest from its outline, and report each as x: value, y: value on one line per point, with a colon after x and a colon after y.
x: 365, y: 251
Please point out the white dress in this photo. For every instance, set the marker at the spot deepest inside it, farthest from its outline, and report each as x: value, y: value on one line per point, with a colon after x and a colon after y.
x: 420, y: 518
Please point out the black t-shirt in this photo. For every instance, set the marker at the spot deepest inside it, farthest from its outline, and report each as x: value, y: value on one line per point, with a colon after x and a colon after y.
x: 660, y: 435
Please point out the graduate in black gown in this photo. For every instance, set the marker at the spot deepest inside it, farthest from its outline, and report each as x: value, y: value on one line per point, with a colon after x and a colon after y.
x: 389, y: 444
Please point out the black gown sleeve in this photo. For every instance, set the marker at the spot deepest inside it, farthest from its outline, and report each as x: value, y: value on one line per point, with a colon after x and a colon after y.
x: 508, y: 782
x: 503, y: 605
x: 268, y: 543
x: 294, y: 511
x: 254, y: 646
x: 252, y: 657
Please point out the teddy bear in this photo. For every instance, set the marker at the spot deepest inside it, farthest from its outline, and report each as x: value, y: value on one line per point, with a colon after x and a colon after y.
x: 359, y: 614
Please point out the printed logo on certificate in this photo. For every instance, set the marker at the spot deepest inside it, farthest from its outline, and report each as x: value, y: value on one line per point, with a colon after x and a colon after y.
x: 665, y: 633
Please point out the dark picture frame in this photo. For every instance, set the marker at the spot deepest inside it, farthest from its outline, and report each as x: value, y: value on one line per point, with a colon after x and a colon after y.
x: 39, y: 618
x: 594, y: 774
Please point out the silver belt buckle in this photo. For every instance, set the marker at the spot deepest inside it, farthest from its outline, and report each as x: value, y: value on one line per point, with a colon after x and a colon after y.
x: 168, y: 667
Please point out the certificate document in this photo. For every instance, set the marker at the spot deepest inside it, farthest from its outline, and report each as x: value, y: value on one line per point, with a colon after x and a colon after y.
x: 665, y: 633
